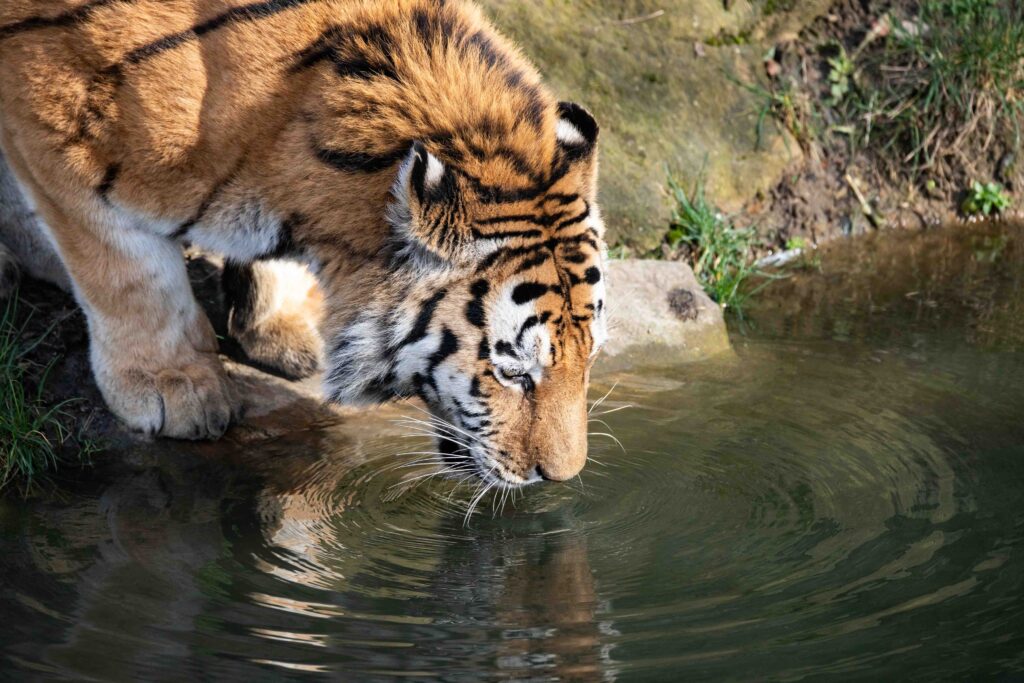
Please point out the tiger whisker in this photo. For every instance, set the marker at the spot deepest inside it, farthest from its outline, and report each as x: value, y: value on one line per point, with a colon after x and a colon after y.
x: 602, y: 399
x: 428, y: 475
x: 504, y: 498
x: 509, y: 494
x: 435, y: 435
x: 409, y: 483
x: 421, y: 463
x: 420, y: 453
x: 446, y: 423
x: 614, y: 410
x: 483, y: 488
x: 430, y: 457
x: 505, y: 488
x: 441, y: 437
x: 476, y: 489
x: 414, y: 482
x: 494, y: 502
x: 476, y: 500
x: 459, y: 483
x: 432, y: 429
x: 404, y: 487
x: 610, y: 436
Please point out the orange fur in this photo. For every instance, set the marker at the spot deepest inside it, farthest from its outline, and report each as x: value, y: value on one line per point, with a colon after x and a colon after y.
x: 276, y: 128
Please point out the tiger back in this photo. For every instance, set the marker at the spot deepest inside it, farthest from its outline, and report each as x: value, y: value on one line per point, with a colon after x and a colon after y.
x: 403, y: 151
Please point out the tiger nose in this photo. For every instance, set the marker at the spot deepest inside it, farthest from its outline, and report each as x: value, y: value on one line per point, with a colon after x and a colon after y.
x: 561, y: 471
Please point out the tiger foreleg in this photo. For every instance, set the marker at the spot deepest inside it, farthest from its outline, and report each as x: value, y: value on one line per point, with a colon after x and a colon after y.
x: 275, y: 310
x: 153, y: 351
x: 24, y: 247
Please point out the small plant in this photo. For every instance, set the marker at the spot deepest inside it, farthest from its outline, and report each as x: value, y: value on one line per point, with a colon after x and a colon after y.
x: 808, y: 259
x: 719, y: 252
x: 969, y: 9
x: 985, y: 200
x: 788, y: 107
x: 32, y: 435
x: 776, y: 6
x: 840, y: 75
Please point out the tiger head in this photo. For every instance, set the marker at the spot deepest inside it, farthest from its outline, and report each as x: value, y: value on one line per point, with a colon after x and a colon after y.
x: 492, y: 306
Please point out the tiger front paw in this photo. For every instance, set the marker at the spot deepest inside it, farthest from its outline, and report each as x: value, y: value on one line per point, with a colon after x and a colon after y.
x: 193, y: 400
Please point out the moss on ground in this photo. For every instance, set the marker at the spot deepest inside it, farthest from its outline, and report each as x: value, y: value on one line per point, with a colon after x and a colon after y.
x: 662, y: 95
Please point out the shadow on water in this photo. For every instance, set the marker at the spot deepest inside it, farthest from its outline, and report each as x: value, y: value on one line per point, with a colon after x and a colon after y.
x: 840, y: 500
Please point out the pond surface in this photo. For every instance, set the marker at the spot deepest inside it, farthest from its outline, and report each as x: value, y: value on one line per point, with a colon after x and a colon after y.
x: 843, y: 499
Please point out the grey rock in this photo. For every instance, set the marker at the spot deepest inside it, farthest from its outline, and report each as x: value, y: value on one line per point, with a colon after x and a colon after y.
x: 659, y: 315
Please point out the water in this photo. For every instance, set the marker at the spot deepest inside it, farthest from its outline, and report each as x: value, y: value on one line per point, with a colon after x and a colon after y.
x: 840, y: 500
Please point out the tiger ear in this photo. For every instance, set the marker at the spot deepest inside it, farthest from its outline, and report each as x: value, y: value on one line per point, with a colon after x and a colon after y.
x: 576, y: 129
x: 426, y: 172
x: 422, y: 190
x: 576, y: 132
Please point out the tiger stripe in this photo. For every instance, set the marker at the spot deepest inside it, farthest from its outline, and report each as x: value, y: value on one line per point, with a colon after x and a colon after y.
x: 67, y: 19
x: 403, y: 151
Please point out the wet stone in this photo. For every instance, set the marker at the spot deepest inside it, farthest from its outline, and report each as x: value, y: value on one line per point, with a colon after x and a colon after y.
x: 659, y: 314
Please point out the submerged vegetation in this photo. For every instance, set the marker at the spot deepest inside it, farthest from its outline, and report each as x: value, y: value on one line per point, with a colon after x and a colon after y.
x: 34, y: 436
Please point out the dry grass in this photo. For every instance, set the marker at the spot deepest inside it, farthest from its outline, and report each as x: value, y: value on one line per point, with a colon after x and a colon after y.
x: 942, y: 94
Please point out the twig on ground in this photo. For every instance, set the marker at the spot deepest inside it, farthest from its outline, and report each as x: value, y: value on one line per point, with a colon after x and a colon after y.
x: 869, y: 213
x: 639, y: 20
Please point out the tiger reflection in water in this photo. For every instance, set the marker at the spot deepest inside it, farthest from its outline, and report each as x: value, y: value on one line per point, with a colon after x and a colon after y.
x: 145, y: 559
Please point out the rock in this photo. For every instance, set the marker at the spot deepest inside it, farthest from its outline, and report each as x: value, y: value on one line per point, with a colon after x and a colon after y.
x: 659, y: 315
x: 660, y: 105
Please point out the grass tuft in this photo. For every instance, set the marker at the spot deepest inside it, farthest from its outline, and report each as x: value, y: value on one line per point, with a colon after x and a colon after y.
x: 33, y: 436
x: 784, y: 104
x: 946, y: 85
x: 720, y: 253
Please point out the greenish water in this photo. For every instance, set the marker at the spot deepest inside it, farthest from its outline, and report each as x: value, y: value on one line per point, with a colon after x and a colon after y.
x: 841, y: 500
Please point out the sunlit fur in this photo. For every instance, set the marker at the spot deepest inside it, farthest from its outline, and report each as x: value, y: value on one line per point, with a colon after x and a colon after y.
x: 402, y: 149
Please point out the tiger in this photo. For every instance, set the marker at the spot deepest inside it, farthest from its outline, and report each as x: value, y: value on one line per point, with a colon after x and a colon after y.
x: 400, y: 202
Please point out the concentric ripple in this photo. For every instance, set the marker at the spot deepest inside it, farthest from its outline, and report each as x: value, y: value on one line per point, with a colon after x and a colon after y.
x: 841, y: 504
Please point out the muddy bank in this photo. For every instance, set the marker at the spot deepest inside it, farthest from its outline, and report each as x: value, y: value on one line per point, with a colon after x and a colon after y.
x: 849, y: 183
